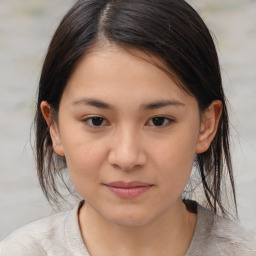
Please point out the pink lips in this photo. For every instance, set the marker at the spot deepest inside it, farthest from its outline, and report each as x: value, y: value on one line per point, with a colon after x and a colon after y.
x: 128, y: 190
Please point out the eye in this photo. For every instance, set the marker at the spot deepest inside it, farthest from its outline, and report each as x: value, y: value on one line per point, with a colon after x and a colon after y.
x: 95, y: 121
x: 160, y: 121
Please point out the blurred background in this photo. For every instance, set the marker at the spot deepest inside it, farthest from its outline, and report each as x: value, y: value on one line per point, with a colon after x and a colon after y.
x: 26, y: 27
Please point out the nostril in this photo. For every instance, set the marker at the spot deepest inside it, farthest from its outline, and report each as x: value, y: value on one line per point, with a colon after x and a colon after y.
x: 127, y: 161
x: 126, y: 166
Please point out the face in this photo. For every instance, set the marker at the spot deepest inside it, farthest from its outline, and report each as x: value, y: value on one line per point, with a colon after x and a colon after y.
x: 129, y: 135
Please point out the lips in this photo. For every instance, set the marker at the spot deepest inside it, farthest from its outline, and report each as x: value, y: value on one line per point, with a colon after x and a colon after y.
x: 128, y: 190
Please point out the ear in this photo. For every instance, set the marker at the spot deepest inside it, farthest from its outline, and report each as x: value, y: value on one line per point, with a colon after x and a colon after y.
x: 209, y: 126
x: 53, y: 128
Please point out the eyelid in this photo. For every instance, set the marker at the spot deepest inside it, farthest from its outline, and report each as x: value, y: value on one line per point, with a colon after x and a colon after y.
x: 170, y: 121
x: 86, y: 119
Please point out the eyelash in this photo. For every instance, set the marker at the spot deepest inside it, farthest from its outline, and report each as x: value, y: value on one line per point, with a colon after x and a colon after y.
x: 88, y: 121
x: 168, y: 119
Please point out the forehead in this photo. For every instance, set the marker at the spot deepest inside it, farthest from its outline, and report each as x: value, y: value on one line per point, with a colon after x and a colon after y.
x: 114, y: 73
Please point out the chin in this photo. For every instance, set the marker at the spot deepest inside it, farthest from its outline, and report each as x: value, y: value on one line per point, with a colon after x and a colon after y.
x: 130, y: 218
x: 130, y: 222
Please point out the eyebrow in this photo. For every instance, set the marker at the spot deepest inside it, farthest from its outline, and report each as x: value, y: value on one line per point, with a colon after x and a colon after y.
x: 93, y: 102
x: 161, y: 104
x: 103, y: 105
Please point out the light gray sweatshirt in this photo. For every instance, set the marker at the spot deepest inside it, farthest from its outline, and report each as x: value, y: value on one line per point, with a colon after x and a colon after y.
x: 59, y: 235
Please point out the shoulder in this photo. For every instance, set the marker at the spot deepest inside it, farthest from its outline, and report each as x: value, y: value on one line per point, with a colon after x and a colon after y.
x: 38, y: 238
x: 223, y: 236
x: 232, y: 237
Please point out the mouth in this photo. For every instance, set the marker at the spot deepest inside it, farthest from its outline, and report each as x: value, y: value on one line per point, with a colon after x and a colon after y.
x: 128, y: 190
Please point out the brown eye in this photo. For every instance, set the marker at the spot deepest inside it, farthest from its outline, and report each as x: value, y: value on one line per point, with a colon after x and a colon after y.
x: 160, y: 121
x: 95, y: 121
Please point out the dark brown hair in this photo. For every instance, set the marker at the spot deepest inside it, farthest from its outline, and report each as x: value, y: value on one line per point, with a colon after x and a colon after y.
x: 168, y: 29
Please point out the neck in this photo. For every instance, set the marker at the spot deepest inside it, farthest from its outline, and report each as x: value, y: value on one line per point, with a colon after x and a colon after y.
x: 169, y: 234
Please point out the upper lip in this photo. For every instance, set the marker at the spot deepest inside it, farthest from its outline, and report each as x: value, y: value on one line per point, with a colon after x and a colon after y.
x: 131, y: 184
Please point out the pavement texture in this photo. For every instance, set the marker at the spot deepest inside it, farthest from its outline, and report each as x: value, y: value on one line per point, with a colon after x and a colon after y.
x: 25, y: 30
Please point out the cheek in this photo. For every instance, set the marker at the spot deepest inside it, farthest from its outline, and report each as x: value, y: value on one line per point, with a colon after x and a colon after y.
x: 175, y: 158
x: 84, y: 161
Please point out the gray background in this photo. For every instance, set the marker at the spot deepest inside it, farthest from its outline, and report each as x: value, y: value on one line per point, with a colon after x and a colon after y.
x: 26, y: 27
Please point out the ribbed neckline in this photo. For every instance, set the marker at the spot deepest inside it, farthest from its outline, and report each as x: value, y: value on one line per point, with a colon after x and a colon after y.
x: 73, y: 235
x: 204, y: 220
x: 77, y: 247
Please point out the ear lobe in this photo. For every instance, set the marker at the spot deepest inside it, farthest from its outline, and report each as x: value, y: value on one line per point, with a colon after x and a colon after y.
x: 56, y: 139
x: 209, y: 126
x: 53, y: 128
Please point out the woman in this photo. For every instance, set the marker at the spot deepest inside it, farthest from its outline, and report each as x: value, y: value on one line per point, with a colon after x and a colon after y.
x: 129, y: 101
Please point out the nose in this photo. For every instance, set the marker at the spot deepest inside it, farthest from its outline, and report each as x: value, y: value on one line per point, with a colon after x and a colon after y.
x: 127, y: 152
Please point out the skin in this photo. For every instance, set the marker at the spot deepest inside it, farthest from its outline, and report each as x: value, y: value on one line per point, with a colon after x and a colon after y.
x: 129, y: 145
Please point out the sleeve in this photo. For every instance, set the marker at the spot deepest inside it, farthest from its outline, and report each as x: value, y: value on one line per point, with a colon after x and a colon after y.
x: 10, y: 247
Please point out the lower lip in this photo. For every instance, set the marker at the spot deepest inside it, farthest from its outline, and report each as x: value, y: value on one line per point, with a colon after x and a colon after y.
x: 128, y: 193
